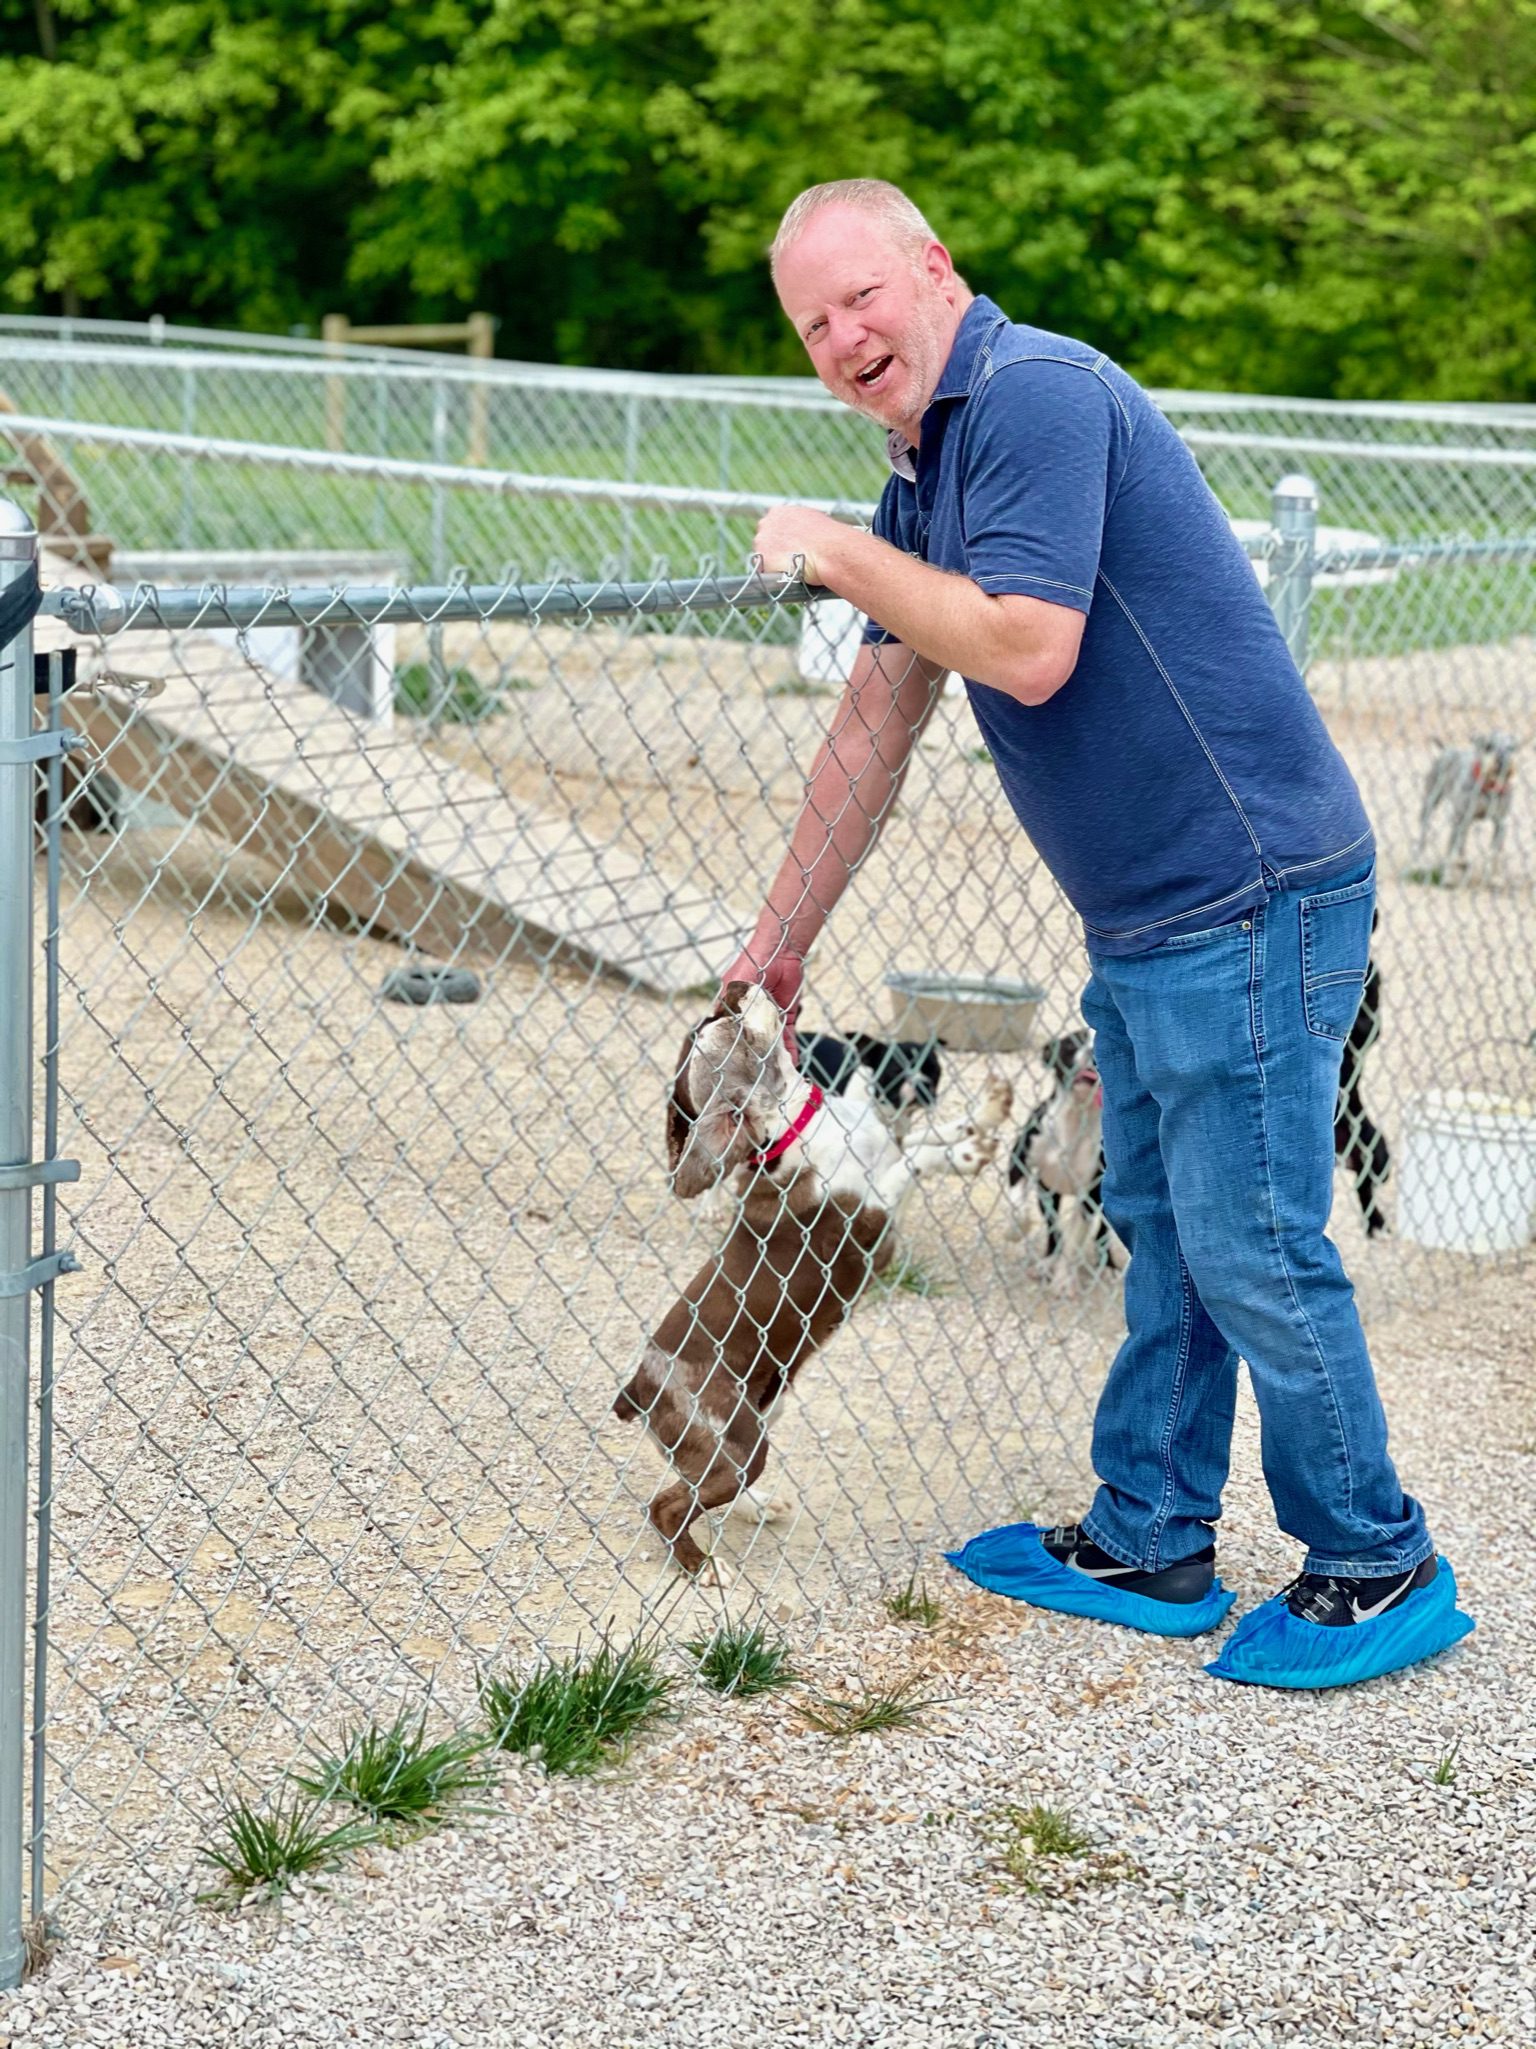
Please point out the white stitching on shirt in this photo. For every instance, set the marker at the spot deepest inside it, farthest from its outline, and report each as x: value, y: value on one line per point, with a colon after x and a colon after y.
x: 1173, y: 692
x: 1070, y: 363
x: 1299, y: 867
x: 1052, y: 582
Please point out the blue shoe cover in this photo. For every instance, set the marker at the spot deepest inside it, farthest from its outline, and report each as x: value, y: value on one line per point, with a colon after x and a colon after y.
x: 1013, y: 1561
x: 1273, y: 1647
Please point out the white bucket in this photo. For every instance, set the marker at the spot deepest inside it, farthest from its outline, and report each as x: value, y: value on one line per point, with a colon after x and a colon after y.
x: 1467, y: 1172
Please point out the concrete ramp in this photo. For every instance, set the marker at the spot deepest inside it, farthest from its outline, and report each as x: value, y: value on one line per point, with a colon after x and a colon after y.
x: 364, y: 816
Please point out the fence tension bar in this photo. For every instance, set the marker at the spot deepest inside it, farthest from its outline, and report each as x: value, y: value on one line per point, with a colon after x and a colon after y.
x: 39, y: 746
x: 39, y: 1274
x: 38, y: 1174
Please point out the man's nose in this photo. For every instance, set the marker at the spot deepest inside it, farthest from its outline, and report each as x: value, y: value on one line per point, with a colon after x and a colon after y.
x: 849, y: 332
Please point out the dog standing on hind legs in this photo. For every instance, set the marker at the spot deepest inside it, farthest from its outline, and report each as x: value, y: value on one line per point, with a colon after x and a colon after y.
x: 819, y: 1181
x: 1059, y: 1159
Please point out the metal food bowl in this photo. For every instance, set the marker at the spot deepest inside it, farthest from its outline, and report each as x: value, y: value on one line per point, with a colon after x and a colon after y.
x: 971, y: 1014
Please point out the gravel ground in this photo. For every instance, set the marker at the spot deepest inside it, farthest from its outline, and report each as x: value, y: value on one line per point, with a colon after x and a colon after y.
x: 332, y: 1426
x: 1265, y: 1869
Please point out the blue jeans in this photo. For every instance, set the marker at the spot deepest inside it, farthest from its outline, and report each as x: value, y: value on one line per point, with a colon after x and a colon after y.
x: 1220, y: 1054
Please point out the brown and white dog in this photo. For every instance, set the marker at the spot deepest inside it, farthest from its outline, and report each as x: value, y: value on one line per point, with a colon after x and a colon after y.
x: 819, y: 1181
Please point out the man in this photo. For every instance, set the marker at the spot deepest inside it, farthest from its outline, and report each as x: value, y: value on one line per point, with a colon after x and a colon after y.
x: 1046, y: 533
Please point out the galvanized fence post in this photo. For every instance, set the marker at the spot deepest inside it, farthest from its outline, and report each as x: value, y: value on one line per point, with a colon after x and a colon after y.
x: 18, y: 556
x: 1294, y: 516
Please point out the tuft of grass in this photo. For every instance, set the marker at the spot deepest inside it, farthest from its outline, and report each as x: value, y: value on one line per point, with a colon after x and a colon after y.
x: 401, y: 1781
x: 39, y: 1942
x: 741, y: 1660
x: 1031, y: 1838
x: 908, y: 1274
x: 454, y: 697
x: 1446, y: 1765
x: 575, y: 1713
x: 981, y: 754
x: 265, y: 1852
x: 1435, y: 876
x: 914, y: 1604
x: 1051, y: 1832
x: 897, y: 1707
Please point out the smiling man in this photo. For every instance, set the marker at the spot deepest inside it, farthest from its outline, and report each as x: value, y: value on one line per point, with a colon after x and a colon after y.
x: 1046, y: 533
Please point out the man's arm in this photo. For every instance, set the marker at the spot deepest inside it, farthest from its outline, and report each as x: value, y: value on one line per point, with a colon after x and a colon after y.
x: 852, y: 789
x: 1020, y: 645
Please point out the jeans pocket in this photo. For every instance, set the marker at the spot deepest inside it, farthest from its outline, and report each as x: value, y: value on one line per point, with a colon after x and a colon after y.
x: 1335, y: 956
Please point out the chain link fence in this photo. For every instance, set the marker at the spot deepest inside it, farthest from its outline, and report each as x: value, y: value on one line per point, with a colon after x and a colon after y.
x: 217, y: 438
x: 327, y: 1418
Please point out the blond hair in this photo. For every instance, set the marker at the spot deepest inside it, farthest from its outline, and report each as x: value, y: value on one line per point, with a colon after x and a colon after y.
x: 873, y: 197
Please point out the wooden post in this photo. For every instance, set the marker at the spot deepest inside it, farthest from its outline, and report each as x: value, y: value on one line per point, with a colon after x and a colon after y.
x: 334, y: 329
x: 481, y: 336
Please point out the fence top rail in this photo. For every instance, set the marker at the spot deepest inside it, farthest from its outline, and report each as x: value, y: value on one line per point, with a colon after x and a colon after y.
x: 210, y: 348
x: 397, y: 469
x: 98, y: 609
x: 1365, y: 451
x: 421, y: 367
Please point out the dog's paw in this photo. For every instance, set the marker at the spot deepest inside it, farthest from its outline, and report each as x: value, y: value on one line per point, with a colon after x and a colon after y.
x: 973, y: 1154
x: 762, y: 1508
x: 759, y: 1508
x: 714, y: 1576
x: 995, y: 1104
x: 1067, y: 1279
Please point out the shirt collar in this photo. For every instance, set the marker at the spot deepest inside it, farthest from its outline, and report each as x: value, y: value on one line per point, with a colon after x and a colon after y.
x: 955, y: 380
x: 901, y: 455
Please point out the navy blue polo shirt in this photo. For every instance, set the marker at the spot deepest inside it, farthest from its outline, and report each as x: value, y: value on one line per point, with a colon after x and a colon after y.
x: 1182, y: 771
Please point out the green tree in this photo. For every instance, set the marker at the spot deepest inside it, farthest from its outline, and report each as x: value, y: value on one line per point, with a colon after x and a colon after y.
x: 193, y: 157
x: 1297, y: 195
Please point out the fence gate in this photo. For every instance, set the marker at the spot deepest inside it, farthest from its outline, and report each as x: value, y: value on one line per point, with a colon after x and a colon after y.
x: 358, y: 1279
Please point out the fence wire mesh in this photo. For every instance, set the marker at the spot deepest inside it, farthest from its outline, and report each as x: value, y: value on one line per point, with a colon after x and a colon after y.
x: 1387, y: 472
x: 363, y: 1276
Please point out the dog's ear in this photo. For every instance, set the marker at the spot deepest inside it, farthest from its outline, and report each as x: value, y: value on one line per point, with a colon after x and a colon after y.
x: 700, y: 1138
x: 681, y: 1115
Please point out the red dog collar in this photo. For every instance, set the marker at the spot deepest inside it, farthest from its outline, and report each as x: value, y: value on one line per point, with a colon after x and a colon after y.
x: 785, y: 1140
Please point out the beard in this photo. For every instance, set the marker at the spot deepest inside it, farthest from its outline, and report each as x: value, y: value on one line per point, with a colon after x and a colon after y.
x: 921, y: 352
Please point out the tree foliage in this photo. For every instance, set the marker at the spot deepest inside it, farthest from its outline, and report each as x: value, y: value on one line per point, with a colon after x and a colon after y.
x: 1296, y: 195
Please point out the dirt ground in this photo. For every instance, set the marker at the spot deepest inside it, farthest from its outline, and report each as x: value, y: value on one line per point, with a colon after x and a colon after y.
x: 331, y: 1415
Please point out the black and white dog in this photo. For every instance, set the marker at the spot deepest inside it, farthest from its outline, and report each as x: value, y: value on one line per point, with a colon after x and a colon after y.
x: 1059, y: 1155
x: 903, y: 1074
x: 1058, y: 1159
x: 1359, y: 1145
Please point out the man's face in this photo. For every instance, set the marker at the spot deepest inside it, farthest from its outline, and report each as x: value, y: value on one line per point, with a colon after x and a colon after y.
x: 878, y: 318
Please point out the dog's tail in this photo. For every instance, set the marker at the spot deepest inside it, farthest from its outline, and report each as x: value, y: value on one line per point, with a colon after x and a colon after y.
x: 626, y: 1404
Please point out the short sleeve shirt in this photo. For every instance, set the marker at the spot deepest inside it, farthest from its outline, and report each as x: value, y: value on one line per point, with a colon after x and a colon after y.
x: 1182, y: 771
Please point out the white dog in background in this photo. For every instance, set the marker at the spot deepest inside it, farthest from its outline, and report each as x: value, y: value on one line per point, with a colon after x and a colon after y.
x: 1476, y: 783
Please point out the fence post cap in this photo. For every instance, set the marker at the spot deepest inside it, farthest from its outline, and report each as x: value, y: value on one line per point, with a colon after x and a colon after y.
x: 1296, y: 489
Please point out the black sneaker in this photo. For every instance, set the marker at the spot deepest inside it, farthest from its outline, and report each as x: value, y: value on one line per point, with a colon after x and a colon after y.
x: 1335, y: 1603
x: 1191, y: 1579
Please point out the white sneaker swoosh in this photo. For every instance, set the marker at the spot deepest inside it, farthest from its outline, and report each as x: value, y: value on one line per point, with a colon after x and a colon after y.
x: 1364, y: 1614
